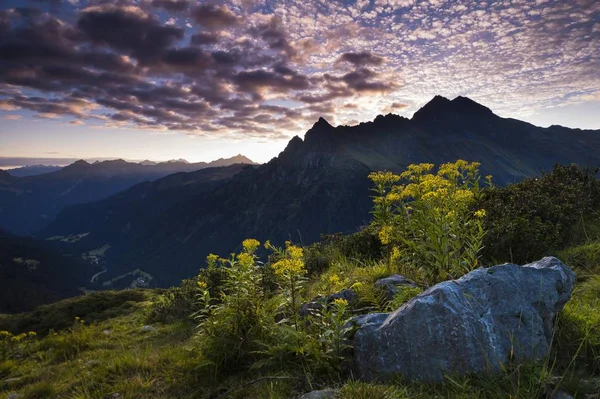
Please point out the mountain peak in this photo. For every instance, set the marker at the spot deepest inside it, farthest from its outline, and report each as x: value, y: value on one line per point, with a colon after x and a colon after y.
x: 465, y: 104
x: 440, y: 105
x: 322, y: 122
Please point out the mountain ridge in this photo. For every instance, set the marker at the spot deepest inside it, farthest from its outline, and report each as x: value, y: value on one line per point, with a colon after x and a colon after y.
x: 29, y: 203
x: 319, y: 185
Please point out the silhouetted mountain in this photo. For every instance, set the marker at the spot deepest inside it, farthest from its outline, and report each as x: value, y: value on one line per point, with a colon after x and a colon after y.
x: 233, y: 160
x: 31, y: 274
x: 148, y: 162
x: 316, y: 185
x: 28, y: 204
x: 33, y: 170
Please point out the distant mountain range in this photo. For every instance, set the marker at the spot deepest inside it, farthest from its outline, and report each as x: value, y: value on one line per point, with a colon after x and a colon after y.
x: 29, y: 203
x: 316, y: 185
x: 33, y: 170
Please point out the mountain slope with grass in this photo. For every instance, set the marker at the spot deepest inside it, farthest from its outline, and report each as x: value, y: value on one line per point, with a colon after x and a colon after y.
x: 318, y: 185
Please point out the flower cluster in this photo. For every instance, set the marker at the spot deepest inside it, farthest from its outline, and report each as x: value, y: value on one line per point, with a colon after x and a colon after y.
x: 250, y: 245
x: 292, y: 263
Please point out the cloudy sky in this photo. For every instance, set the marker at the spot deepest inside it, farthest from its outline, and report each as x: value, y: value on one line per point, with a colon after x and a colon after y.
x: 164, y: 79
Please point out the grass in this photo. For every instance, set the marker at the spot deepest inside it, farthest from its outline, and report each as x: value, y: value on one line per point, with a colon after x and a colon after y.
x: 110, y: 356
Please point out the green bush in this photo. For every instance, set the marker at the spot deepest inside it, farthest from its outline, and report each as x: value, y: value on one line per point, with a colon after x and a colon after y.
x: 233, y: 327
x: 541, y: 215
x: 176, y: 303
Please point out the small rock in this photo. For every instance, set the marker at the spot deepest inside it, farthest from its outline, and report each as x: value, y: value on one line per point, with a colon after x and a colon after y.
x: 392, y: 285
x: 13, y: 396
x: 560, y: 394
x: 322, y: 394
x: 148, y: 329
x: 107, y: 332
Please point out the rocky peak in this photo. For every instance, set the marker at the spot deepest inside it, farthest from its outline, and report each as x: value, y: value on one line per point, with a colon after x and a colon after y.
x: 439, y: 107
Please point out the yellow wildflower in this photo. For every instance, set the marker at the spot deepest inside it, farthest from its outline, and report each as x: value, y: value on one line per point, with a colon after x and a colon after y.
x: 289, y: 267
x: 393, y: 197
x: 31, y: 334
x: 383, y: 178
x: 295, y: 252
x: 334, y: 279
x: 480, y: 213
x: 340, y: 302
x: 395, y: 255
x: 202, y: 285
x: 245, y: 259
x: 385, y: 235
x: 250, y: 245
x: 211, y: 260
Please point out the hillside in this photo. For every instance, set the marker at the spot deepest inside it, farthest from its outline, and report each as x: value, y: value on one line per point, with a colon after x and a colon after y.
x: 27, y: 204
x: 31, y: 274
x: 128, y: 218
x: 319, y: 185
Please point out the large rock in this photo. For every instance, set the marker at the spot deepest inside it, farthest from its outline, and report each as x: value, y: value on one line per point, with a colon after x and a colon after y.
x: 476, y: 324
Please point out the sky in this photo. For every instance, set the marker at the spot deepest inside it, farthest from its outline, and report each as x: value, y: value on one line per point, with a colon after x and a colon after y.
x: 200, y: 80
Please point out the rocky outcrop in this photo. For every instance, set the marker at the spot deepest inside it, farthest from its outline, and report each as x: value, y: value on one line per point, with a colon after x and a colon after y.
x: 476, y: 324
x: 392, y: 285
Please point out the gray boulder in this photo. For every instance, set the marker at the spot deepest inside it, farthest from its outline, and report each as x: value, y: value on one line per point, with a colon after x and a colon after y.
x: 393, y: 284
x: 476, y: 324
x: 322, y: 394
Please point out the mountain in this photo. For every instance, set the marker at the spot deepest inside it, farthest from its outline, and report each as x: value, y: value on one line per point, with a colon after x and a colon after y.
x: 31, y: 274
x: 148, y: 162
x: 29, y: 203
x: 315, y: 186
x: 32, y: 170
x: 228, y: 161
x: 129, y: 218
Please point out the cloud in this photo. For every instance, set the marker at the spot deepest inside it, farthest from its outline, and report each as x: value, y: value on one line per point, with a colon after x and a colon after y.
x: 394, y: 107
x: 219, y: 68
x: 128, y: 29
x: 212, y: 16
x: 361, y: 59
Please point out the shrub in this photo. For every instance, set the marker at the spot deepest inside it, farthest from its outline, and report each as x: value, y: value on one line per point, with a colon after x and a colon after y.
x: 234, y: 327
x: 429, y: 223
x: 176, y: 303
x: 538, y: 216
